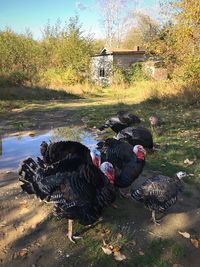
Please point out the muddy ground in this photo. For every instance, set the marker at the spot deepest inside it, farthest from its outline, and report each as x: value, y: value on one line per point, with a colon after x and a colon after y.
x: 30, y: 236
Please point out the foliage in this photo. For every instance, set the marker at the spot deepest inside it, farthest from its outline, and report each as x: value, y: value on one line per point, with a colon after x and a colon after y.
x: 119, y: 76
x: 63, y: 53
x: 20, y: 57
x: 56, y: 78
x: 137, y: 73
x: 178, y: 41
x: 142, y: 32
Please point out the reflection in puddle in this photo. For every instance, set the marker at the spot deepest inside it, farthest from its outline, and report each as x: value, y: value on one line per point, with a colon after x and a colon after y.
x: 14, y: 149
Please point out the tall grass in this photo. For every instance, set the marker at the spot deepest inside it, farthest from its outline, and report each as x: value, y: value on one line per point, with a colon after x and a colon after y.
x: 155, y: 91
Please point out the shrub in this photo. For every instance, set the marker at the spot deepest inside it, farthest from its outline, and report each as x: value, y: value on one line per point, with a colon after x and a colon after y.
x: 137, y: 73
x: 119, y: 76
x: 18, y: 77
x: 70, y: 76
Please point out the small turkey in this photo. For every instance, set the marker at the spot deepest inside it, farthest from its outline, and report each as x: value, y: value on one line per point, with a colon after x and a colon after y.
x: 127, y: 160
x: 122, y: 120
x: 159, y: 193
x: 155, y: 121
x: 137, y: 136
x: 156, y: 124
x: 79, y: 190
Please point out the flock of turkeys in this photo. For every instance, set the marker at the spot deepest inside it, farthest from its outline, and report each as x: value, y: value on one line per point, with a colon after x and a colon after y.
x: 81, y: 182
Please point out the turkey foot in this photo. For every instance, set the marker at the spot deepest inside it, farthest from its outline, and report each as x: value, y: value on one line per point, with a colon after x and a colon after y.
x: 69, y: 234
x: 153, y: 218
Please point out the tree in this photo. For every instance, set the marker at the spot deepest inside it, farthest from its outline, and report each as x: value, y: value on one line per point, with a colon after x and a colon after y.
x: 114, y: 20
x: 142, y: 32
x: 179, y: 40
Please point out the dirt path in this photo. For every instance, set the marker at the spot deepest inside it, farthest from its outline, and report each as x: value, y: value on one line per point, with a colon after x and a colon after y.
x: 36, y: 118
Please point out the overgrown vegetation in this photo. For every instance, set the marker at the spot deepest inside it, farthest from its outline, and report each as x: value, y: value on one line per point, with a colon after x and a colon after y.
x: 60, y: 58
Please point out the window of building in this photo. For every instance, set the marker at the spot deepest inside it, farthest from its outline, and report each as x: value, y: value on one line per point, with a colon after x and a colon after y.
x: 101, y: 72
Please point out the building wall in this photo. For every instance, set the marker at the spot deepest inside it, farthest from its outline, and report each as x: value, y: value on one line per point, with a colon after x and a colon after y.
x: 157, y: 72
x: 125, y: 61
x: 102, y: 62
x: 106, y: 62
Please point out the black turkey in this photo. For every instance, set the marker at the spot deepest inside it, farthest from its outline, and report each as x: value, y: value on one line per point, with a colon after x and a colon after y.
x: 160, y: 192
x: 127, y: 160
x: 122, y: 120
x: 115, y: 151
x: 137, y: 136
x: 57, y: 151
x: 79, y: 190
x: 127, y: 117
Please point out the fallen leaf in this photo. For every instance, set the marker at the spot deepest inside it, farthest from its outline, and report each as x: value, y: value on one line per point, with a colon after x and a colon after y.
x: 116, y: 249
x: 184, y: 234
x: 177, y: 265
x: 141, y: 253
x: 111, y: 247
x: 195, y: 242
x: 119, y: 256
x: 188, y: 162
x: 107, y: 250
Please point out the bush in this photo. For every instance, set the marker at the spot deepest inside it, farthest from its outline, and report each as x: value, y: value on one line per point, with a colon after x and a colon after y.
x: 137, y: 73
x: 58, y: 77
x: 119, y: 76
x: 70, y: 76
x: 19, y: 77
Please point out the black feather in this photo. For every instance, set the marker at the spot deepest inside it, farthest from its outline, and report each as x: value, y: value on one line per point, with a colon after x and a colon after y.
x: 137, y: 136
x: 123, y: 120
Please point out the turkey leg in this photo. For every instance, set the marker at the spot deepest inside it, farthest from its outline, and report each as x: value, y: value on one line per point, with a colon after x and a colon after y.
x: 153, y: 215
x: 70, y: 232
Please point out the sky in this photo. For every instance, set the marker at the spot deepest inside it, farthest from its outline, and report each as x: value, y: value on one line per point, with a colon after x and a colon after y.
x: 34, y: 14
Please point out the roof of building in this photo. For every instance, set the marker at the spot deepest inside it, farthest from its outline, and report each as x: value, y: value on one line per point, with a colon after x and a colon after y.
x: 119, y: 51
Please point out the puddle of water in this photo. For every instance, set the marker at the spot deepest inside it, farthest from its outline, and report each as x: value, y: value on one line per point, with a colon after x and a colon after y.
x: 14, y: 149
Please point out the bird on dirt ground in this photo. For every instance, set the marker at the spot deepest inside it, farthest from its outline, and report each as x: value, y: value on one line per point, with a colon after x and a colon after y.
x: 159, y: 193
x: 137, y: 136
x: 122, y: 120
x: 79, y: 190
x: 127, y: 160
x: 56, y: 151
